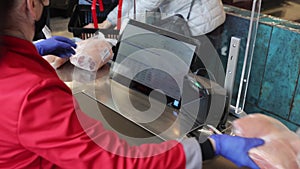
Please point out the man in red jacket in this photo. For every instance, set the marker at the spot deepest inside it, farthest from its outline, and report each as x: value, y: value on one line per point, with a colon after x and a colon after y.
x: 39, y: 116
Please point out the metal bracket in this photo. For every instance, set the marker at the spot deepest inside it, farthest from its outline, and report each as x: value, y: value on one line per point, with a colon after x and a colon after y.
x: 231, y: 69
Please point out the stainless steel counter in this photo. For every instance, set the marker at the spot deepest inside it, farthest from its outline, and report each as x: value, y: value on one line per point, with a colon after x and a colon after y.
x: 101, y: 99
x: 163, y: 121
x: 93, y: 92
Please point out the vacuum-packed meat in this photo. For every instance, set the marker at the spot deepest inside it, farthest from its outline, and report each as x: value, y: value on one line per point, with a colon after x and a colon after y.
x: 92, y: 53
x: 282, y: 146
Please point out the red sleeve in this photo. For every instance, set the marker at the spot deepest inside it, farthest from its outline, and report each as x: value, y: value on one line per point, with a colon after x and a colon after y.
x: 52, y: 125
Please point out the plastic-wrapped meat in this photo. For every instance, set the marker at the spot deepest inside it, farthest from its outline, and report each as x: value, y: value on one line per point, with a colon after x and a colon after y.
x: 91, y: 54
x: 55, y: 61
x: 282, y: 146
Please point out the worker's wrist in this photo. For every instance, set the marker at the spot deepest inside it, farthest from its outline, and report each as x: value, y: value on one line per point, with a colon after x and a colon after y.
x: 213, y: 143
x: 208, y: 150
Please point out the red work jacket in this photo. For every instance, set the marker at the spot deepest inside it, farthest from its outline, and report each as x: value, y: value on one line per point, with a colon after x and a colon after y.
x: 39, y: 126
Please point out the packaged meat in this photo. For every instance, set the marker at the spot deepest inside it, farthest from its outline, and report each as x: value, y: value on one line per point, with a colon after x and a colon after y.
x: 55, y: 61
x: 282, y: 146
x: 92, y: 53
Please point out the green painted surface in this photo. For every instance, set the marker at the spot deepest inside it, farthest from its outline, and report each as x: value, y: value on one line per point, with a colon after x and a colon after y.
x: 274, y: 87
x: 281, y: 72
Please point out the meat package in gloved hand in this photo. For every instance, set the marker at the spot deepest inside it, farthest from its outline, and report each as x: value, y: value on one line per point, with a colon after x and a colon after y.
x: 92, y: 53
x: 282, y: 146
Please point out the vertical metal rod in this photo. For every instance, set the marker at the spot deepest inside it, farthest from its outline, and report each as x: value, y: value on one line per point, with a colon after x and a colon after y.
x: 251, y: 55
x: 239, y: 109
x: 134, y: 9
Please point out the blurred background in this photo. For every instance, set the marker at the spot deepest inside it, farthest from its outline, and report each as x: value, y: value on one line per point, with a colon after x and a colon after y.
x: 61, y: 11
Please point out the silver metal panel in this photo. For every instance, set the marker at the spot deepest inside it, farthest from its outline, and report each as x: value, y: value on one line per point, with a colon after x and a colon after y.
x: 169, y: 124
x: 231, y: 68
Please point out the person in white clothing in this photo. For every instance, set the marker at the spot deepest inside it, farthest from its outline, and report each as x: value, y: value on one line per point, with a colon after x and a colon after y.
x: 204, y: 19
x: 205, y: 16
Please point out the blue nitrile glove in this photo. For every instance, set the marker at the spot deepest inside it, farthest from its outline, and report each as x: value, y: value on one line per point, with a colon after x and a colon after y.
x: 56, y: 45
x: 236, y: 148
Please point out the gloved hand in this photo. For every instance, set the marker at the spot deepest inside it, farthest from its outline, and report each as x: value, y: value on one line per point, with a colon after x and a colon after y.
x: 236, y: 148
x: 56, y: 45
